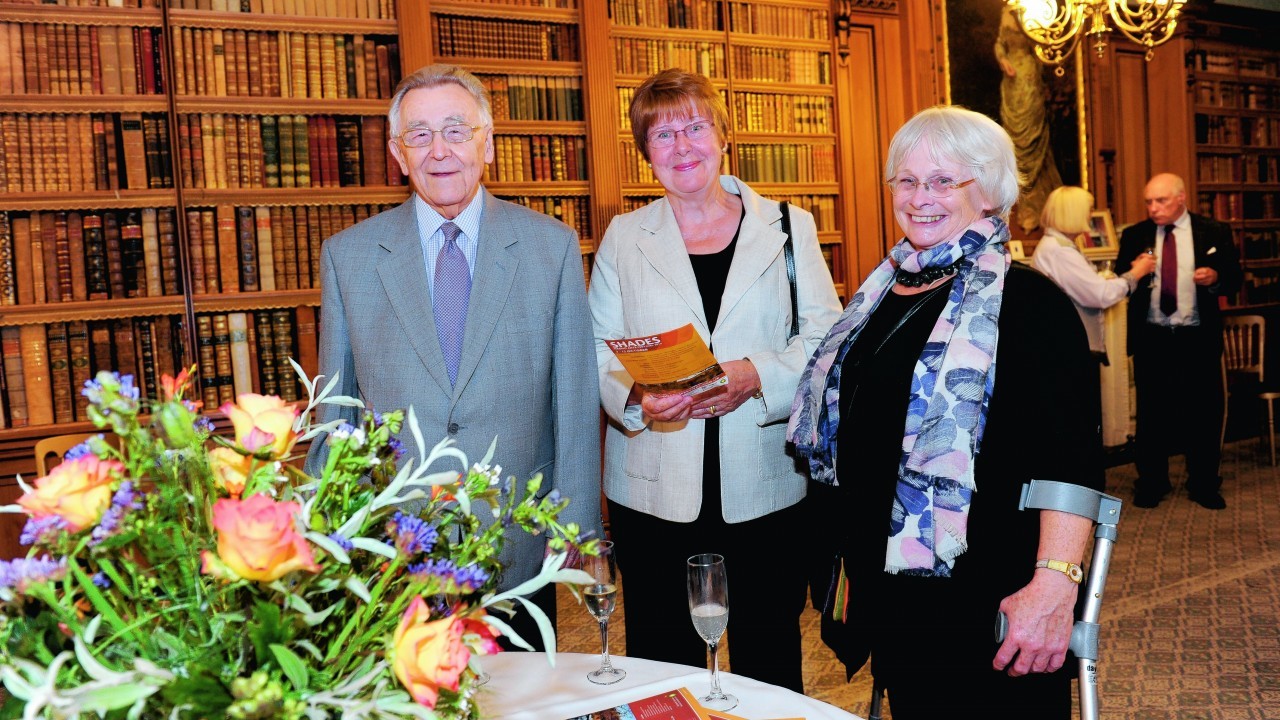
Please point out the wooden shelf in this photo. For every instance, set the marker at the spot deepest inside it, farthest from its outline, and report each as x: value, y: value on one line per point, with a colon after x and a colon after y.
x: 504, y: 66
x: 250, y: 301
x: 568, y: 188
x: 11, y: 315
x: 88, y: 200
x: 290, y: 23
x: 652, y: 33
x: 780, y: 88
x: 539, y: 127
x: 503, y: 11
x: 190, y: 104
x: 777, y: 41
x: 779, y: 138
x: 64, y: 15
x: 831, y: 188
x: 80, y: 104
x: 204, y: 197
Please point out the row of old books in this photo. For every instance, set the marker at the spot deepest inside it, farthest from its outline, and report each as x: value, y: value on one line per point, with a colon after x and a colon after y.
x: 779, y: 113
x: 507, y: 39
x: 779, y: 20
x: 686, y: 14
x: 537, y: 158
x: 251, y: 151
x: 83, y: 256
x: 43, y: 152
x: 357, y: 9
x: 247, y: 249
x: 786, y: 162
x: 243, y: 352
x: 269, y: 63
x: 55, y: 59
x: 785, y: 65
x: 46, y: 366
x: 823, y: 208
x: 572, y: 211
x: 534, y: 97
x: 560, y: 4
x: 644, y: 56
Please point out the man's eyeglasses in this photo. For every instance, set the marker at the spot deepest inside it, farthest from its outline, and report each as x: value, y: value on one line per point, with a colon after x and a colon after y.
x: 938, y: 187
x: 421, y: 136
x: 692, y: 132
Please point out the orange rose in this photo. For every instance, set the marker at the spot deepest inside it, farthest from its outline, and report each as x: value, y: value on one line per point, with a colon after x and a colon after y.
x: 78, y: 491
x: 428, y: 654
x: 256, y: 540
x: 262, y: 423
x: 230, y: 469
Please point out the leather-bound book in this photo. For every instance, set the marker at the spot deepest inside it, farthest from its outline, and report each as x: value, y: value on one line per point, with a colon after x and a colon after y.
x: 170, y: 267
x: 278, y: 246
x: 347, y: 130
x: 35, y: 373
x: 166, y: 151
x: 282, y: 330
x: 7, y: 68
x: 307, y: 353
x: 49, y: 243
x: 180, y: 38
x: 266, y: 248
x: 301, y: 151
x: 209, y: 231
x: 151, y: 148
x: 270, y: 152
x: 370, y: 69
x: 340, y: 59
x: 95, y: 259
x: 219, y: 88
x: 88, y: 145
x: 128, y: 61
x: 298, y: 65
x: 109, y: 60
x: 308, y: 245
x: 359, y: 77
x: 39, y: 75
x: 228, y: 250
x: 315, y: 88
x: 393, y: 68
x: 87, y: 44
x: 78, y: 357
x: 101, y: 347
x: 199, y: 175
x: 242, y: 64
x: 110, y: 136
x: 15, y: 58
x: 326, y: 229
x: 9, y: 142
x: 79, y: 289
x: 61, y: 275
x: 133, y: 255
x: 147, y: 65
x: 373, y: 145
x: 114, y: 256
x: 225, y: 378
x: 57, y: 49
x: 248, y: 243
x: 272, y: 65
x: 219, y: 155
x: 146, y: 343
x: 207, y: 362
x: 167, y: 350
x: 265, y: 337
x: 241, y: 363
x: 99, y: 132
x: 231, y: 149
x: 289, y: 232
x: 192, y: 69
x: 315, y: 154
x: 253, y: 63
x: 284, y: 124
x: 384, y: 71
x: 330, y: 145
x: 195, y: 252
x: 8, y: 276
x: 36, y: 243
x: 328, y: 66
x: 184, y: 150
x: 254, y: 164
x: 60, y: 373
x: 251, y: 335
x: 25, y: 152
x: 73, y: 170
x: 14, y: 378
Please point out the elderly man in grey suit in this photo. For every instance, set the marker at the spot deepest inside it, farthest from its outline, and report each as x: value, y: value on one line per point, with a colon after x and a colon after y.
x: 470, y: 309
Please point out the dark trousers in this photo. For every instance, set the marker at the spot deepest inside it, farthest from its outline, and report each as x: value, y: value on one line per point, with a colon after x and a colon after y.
x: 767, y: 583
x: 523, y: 623
x: 1178, y: 378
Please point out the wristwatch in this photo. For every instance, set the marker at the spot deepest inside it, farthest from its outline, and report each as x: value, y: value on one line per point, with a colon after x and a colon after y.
x: 1071, y: 570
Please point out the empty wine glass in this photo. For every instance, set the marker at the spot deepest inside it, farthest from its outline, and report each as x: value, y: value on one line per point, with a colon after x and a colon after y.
x: 600, y: 596
x: 709, y: 608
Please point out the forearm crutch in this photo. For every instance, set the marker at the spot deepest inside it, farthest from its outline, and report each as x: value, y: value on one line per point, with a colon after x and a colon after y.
x: 1104, y: 511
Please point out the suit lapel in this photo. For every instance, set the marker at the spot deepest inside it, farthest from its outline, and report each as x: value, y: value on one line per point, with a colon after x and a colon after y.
x: 662, y: 247
x: 758, y: 245
x: 404, y: 278
x: 491, y: 284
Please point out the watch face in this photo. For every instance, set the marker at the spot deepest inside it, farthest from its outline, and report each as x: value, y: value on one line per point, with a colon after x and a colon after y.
x: 1075, y: 573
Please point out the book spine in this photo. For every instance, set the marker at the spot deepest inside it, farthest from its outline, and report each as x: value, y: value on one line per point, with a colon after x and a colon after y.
x: 133, y: 256
x: 59, y: 372
x: 14, y: 377
x: 248, y: 249
x: 241, y: 365
x: 35, y: 371
x: 195, y: 252
x: 8, y: 275
x: 207, y: 362
x: 225, y: 378
x: 282, y: 330
x: 170, y: 266
x: 151, y: 253
x: 266, y: 248
x: 115, y: 256
x: 228, y: 250
x: 267, y: 382
x: 78, y: 356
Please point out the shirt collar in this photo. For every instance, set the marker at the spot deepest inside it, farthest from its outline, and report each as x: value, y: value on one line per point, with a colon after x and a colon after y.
x: 429, y: 221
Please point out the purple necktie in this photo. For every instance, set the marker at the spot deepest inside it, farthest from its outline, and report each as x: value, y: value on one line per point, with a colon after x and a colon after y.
x: 1169, y: 273
x: 449, y: 300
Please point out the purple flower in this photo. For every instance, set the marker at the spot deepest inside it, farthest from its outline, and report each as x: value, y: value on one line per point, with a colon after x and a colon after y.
x: 203, y: 424
x: 468, y: 579
x: 411, y: 534
x: 342, y: 542
x: 21, y: 573
x: 42, y: 530
x: 396, y: 447
x: 124, y: 500
x: 84, y: 448
x: 101, y: 580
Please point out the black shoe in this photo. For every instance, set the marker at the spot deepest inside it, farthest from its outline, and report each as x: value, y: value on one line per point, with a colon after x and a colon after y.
x: 1210, y: 499
x: 1145, y: 498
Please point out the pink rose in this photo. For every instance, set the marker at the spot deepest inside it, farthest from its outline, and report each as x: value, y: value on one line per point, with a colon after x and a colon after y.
x: 231, y: 470
x: 257, y: 540
x: 78, y: 491
x: 263, y: 423
x: 428, y: 654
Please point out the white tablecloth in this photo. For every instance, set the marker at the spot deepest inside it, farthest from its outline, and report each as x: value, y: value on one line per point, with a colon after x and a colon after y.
x: 525, y: 687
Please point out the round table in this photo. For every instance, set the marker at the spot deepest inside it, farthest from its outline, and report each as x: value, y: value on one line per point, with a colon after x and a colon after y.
x: 524, y: 686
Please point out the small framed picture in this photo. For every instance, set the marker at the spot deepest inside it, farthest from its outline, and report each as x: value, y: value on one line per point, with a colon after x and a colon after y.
x: 1100, y: 242
x: 1015, y: 250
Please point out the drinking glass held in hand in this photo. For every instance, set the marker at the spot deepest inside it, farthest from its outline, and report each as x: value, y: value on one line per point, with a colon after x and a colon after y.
x: 600, y: 597
x: 709, y: 608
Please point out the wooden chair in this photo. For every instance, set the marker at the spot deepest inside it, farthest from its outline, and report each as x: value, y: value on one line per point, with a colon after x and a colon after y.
x: 1244, y: 344
x: 58, y: 445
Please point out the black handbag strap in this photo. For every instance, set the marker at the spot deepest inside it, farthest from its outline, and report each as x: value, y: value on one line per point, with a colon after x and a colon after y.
x: 789, y: 254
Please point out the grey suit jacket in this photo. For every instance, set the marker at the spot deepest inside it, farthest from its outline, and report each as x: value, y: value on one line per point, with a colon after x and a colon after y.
x: 527, y: 372
x: 643, y: 283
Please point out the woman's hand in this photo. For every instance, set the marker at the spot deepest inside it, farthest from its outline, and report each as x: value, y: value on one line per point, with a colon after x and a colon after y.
x: 666, y: 408
x: 1142, y: 266
x: 1041, y: 616
x: 744, y: 382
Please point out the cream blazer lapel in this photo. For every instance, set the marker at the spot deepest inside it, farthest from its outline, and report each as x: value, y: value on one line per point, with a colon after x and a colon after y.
x: 758, y: 246
x: 664, y: 249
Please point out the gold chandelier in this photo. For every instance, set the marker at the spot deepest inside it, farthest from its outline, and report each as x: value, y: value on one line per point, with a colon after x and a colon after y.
x: 1055, y: 25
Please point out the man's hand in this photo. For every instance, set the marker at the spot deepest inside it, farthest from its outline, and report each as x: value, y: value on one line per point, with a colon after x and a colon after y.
x: 1205, y: 276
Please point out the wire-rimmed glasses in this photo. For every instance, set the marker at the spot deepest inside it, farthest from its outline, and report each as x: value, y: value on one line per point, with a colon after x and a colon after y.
x: 693, y: 132
x: 936, y: 187
x: 421, y: 136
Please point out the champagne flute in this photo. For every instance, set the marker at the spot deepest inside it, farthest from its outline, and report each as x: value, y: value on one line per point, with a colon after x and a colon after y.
x: 600, y: 596
x: 709, y: 608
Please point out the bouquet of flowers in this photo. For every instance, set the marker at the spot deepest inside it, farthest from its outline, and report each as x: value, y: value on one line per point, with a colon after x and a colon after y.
x: 174, y: 573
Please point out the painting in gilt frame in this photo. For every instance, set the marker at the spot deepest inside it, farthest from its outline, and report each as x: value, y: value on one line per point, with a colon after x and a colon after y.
x: 1100, y: 242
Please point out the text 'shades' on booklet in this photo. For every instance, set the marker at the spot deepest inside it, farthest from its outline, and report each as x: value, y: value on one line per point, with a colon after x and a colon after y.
x: 676, y: 361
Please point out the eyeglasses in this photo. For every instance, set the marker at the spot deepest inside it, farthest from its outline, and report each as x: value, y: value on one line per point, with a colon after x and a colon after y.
x: 938, y: 187
x: 692, y: 132
x: 421, y: 136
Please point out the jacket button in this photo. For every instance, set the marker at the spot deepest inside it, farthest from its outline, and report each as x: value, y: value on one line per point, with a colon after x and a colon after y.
x: 453, y: 428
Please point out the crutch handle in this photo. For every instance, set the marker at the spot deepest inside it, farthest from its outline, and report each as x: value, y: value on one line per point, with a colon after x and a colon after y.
x: 1084, y: 636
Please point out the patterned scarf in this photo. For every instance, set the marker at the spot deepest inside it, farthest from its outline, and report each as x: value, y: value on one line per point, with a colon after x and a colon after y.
x: 945, y: 419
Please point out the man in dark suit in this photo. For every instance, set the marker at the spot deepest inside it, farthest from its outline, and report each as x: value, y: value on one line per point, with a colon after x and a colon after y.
x: 473, y: 311
x: 1175, y: 337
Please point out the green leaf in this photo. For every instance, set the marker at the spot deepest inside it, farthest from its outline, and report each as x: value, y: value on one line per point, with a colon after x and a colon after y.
x: 103, y: 699
x: 202, y: 691
x: 292, y: 665
x: 265, y: 629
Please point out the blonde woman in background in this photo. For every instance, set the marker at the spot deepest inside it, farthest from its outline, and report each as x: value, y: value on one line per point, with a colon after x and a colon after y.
x: 1066, y: 215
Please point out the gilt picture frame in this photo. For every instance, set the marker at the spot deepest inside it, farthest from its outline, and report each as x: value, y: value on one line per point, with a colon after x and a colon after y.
x: 1100, y: 242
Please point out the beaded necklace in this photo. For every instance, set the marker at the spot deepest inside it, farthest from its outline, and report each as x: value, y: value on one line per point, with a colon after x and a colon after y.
x: 927, y: 275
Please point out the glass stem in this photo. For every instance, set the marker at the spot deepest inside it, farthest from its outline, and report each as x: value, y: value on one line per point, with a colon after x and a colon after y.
x: 715, y: 671
x: 605, y: 665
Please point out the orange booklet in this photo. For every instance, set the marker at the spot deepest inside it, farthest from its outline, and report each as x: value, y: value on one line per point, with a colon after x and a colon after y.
x: 676, y: 361
x: 678, y: 704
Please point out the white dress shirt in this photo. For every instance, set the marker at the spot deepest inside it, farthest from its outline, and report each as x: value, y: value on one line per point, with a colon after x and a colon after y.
x: 432, y: 237
x: 1057, y: 257
x: 1187, y: 312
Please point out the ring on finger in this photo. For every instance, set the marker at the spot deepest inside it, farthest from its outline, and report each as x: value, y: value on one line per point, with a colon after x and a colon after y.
x: 713, y: 410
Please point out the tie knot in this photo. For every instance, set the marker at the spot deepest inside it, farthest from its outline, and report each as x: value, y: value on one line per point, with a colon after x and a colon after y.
x: 451, y: 232
x: 1168, y: 230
